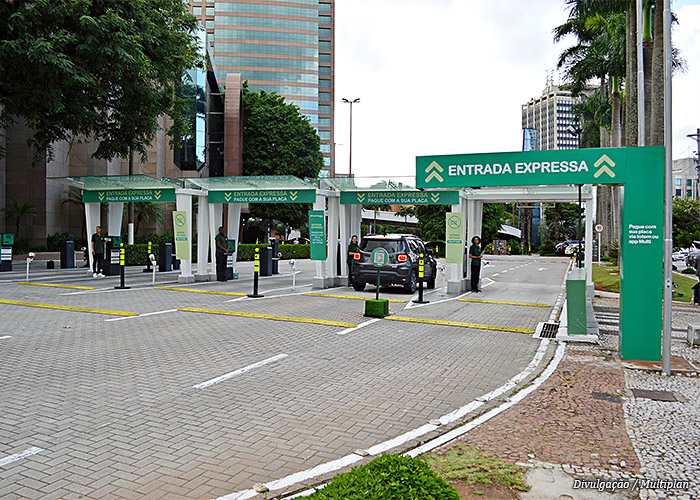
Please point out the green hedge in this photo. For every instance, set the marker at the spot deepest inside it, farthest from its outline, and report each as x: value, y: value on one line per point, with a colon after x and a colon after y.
x: 137, y: 255
x: 389, y: 477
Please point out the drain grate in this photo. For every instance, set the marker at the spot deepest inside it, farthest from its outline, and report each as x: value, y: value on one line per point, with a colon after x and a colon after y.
x: 604, y: 396
x: 546, y: 330
x: 655, y: 395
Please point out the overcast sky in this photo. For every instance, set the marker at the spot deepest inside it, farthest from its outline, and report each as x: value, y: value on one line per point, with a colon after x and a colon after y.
x: 450, y: 76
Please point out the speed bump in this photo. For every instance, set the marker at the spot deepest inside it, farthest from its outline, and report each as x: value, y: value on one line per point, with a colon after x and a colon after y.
x: 528, y: 304
x: 33, y: 283
x: 274, y: 317
x: 353, y: 297
x: 67, y: 308
x: 460, y: 324
x: 212, y: 292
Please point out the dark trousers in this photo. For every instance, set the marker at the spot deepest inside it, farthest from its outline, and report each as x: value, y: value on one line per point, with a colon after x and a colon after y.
x: 476, y: 272
x: 220, y: 266
x: 97, y: 263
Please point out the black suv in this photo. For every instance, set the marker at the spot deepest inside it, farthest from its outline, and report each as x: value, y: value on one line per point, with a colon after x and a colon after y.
x: 402, y: 269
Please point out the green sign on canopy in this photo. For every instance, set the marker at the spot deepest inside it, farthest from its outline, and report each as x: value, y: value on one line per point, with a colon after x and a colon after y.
x: 126, y: 195
x: 528, y: 168
x: 399, y: 197
x: 263, y: 196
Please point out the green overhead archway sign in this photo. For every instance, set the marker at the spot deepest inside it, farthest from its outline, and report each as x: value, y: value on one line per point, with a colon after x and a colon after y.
x: 639, y: 169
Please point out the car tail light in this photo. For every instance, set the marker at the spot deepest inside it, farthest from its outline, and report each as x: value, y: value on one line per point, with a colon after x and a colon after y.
x: 356, y: 256
x: 402, y: 257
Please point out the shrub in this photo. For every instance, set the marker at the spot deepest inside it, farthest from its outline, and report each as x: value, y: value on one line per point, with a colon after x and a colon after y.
x: 513, y: 247
x: 488, y: 248
x: 389, y: 477
x: 688, y: 270
x: 547, y: 248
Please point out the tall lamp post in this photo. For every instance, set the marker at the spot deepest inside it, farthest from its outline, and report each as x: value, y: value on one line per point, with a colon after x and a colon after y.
x: 348, y: 101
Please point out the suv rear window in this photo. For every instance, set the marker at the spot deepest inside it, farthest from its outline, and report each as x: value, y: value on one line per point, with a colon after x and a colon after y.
x: 391, y: 246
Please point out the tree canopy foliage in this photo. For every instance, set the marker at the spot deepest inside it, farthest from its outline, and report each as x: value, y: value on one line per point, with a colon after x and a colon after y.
x: 277, y: 140
x: 102, y: 70
x: 686, y: 222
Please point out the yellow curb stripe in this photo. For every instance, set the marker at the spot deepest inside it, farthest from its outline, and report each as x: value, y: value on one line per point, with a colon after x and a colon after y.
x: 68, y: 308
x: 56, y: 286
x: 311, y: 294
x: 457, y: 323
x: 503, y: 302
x: 269, y: 316
x: 212, y: 292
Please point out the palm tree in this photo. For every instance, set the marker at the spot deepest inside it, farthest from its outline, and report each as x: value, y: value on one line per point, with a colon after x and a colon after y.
x: 147, y: 211
x: 15, y: 209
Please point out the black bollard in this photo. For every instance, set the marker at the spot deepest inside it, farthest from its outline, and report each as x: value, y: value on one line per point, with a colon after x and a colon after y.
x: 122, y: 264
x: 256, y: 272
x: 421, y: 275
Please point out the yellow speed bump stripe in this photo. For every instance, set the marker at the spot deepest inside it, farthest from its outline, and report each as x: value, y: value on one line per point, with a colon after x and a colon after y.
x: 68, y: 308
x: 274, y: 317
x: 56, y: 286
x: 311, y: 294
x: 213, y: 292
x: 457, y: 323
x: 502, y: 302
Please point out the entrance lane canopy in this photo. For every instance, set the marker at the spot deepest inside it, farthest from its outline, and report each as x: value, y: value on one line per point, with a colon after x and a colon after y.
x: 639, y: 169
x: 121, y: 188
x: 256, y: 189
x: 371, y: 191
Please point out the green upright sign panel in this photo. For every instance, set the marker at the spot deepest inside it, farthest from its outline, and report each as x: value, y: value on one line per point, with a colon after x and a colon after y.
x: 399, y: 197
x: 639, y: 169
x: 317, y: 234
x: 182, y: 247
x: 263, y: 196
x: 454, y: 237
x: 125, y: 195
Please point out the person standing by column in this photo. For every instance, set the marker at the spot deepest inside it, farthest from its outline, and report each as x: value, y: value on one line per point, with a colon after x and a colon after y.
x: 475, y: 252
x: 221, y: 254
x: 353, y: 248
x: 98, y: 250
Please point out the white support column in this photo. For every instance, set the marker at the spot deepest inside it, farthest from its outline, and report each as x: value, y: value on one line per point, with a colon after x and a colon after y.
x: 92, y: 219
x: 333, y: 220
x: 215, y: 211
x: 457, y: 283
x: 356, y: 221
x: 319, y: 281
x: 588, y: 255
x: 233, y: 226
x: 184, y: 203
x: 470, y: 233
x: 202, y: 239
x: 478, y: 222
x: 114, y: 218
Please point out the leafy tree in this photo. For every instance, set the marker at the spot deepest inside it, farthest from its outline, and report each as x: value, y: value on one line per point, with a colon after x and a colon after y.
x: 431, y: 221
x: 15, y: 209
x: 95, y: 69
x: 491, y: 221
x: 405, y: 212
x: 277, y: 140
x: 561, y: 220
x: 686, y: 222
x: 147, y: 211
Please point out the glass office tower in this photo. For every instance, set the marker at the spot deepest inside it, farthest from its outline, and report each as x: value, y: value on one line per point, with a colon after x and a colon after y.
x: 283, y: 46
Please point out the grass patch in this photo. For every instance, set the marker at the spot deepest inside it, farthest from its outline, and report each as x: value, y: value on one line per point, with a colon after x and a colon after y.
x: 466, y: 463
x: 607, y: 277
x: 389, y: 477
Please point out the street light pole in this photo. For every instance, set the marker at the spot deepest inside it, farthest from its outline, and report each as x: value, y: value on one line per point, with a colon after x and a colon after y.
x: 348, y: 101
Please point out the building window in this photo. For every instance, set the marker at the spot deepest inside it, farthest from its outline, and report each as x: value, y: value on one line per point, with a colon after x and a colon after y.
x: 324, y: 19
x: 324, y: 32
x: 678, y: 181
x: 196, y: 11
x: 688, y: 193
x: 324, y: 96
x: 324, y: 70
x: 324, y: 84
x: 678, y: 193
x: 324, y: 122
x: 324, y: 135
x: 324, y: 46
x: 324, y: 7
x: 326, y: 148
x: 326, y: 161
x: 209, y: 24
x: 324, y: 110
x: 689, y: 182
x: 210, y: 11
x: 326, y: 58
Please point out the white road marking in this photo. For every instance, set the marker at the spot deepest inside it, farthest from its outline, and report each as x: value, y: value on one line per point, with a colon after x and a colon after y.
x: 19, y: 456
x: 240, y: 371
x: 342, y: 462
x: 348, y: 330
x: 142, y: 315
x: 542, y: 269
x: 5, y: 337
x: 495, y: 274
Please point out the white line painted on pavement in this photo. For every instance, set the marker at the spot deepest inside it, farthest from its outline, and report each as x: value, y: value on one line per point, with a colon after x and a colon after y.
x: 340, y: 463
x: 348, y: 330
x: 5, y: 337
x: 142, y: 315
x: 542, y: 269
x: 245, y: 369
x: 19, y: 456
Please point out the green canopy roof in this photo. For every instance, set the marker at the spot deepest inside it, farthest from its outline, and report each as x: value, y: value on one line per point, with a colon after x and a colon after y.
x: 248, y: 183
x: 116, y: 182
